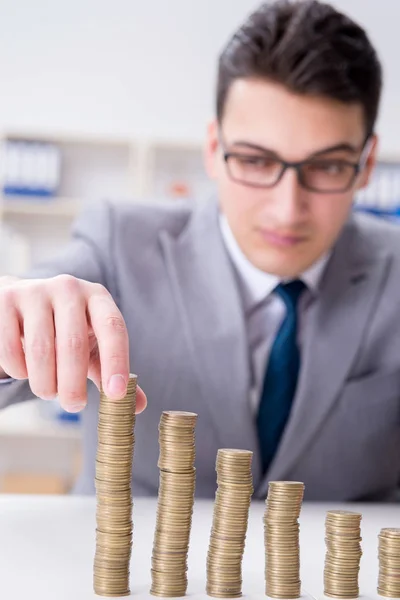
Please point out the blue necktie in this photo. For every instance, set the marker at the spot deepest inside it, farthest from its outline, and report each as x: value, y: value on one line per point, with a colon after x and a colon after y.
x: 281, y: 375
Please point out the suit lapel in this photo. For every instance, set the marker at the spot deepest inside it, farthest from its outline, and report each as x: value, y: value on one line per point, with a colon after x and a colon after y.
x: 337, y: 320
x: 210, y: 305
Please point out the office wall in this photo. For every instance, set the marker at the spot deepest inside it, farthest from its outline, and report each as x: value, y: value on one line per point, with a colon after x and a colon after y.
x: 142, y: 67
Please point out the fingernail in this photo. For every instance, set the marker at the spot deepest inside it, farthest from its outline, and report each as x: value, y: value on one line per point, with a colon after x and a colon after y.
x: 74, y: 408
x: 117, y: 386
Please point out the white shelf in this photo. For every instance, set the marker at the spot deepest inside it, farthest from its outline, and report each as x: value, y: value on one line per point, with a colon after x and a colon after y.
x: 42, y: 429
x: 26, y: 420
x: 59, y: 137
x: 57, y: 207
x: 176, y: 144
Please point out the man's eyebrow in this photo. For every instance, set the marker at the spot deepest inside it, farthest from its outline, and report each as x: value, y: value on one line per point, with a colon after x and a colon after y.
x: 342, y: 147
x: 252, y: 146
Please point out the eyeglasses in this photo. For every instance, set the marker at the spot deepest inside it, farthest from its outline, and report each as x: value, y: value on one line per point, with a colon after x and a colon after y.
x: 322, y: 175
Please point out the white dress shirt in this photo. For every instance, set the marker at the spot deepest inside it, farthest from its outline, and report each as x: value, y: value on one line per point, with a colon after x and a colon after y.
x: 265, y: 310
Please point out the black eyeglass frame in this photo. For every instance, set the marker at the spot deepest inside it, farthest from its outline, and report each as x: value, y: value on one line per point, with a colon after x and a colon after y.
x: 297, y: 166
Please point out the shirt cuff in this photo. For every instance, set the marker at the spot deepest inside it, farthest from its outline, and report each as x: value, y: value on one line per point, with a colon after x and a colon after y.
x: 6, y: 380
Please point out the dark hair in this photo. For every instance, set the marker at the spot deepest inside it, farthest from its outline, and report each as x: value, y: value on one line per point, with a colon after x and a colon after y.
x: 308, y: 47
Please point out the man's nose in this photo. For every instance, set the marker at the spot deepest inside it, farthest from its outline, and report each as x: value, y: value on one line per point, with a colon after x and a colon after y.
x: 289, y: 198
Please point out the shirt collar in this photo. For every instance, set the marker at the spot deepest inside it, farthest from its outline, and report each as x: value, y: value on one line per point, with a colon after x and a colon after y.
x: 259, y: 285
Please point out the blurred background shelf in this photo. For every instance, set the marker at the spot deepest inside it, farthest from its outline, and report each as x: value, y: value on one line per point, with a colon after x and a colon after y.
x: 38, y: 452
x: 82, y: 170
x: 58, y: 207
x: 32, y: 419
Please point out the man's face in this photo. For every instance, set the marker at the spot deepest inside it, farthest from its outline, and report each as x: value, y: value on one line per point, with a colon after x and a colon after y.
x: 283, y: 230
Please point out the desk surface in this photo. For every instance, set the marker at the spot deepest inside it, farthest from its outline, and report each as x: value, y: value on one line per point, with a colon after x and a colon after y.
x: 47, y: 546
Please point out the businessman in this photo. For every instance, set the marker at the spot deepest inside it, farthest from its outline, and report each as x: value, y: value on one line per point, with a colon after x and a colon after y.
x: 272, y: 310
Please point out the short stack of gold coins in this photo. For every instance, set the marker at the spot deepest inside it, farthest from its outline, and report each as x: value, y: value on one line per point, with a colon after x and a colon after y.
x: 229, y: 527
x: 175, y: 503
x: 281, y: 538
x: 343, y: 553
x: 114, y: 494
x: 389, y: 562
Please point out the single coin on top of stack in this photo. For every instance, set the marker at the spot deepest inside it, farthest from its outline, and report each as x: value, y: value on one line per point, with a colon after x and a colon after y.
x: 230, y: 519
x: 342, y: 561
x: 281, y: 537
x: 389, y: 562
x: 113, y: 493
x: 175, y: 503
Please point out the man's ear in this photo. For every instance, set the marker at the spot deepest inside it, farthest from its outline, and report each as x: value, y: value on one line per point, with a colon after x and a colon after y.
x: 211, y: 149
x: 370, y: 164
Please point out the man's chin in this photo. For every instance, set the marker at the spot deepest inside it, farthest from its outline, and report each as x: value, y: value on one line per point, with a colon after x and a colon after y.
x: 282, y: 267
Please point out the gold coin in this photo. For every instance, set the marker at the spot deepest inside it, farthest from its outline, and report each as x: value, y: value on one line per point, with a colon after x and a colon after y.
x: 229, y: 526
x: 113, y: 493
x: 389, y: 562
x: 175, y: 503
x: 343, y: 553
x: 281, y: 539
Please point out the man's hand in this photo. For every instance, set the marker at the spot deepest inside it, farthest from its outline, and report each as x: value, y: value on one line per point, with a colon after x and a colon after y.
x: 57, y: 333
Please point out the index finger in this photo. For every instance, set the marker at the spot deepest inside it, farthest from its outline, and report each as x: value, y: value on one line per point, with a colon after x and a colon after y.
x: 112, y: 338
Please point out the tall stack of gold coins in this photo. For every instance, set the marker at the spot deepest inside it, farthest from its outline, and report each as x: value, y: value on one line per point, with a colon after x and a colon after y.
x: 389, y: 562
x: 230, y: 519
x: 113, y: 493
x: 281, y: 537
x: 175, y: 503
x: 342, y: 561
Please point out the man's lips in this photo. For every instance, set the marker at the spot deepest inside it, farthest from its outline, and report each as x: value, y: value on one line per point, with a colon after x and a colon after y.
x: 282, y: 240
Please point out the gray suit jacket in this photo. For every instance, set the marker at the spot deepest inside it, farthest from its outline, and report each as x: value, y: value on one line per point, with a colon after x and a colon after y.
x: 168, y: 270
